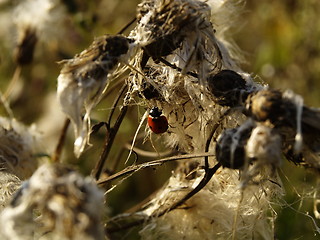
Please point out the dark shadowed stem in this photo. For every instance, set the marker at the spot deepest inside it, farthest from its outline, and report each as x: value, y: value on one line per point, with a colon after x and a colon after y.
x: 111, y: 134
x: 115, y: 103
x: 62, y: 138
x: 108, y: 143
x: 113, y: 88
x: 127, y: 26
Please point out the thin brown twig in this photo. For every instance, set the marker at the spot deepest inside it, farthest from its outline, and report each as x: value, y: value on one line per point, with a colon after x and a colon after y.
x: 115, y: 103
x: 148, y: 154
x: 155, y: 163
x: 108, y: 143
x: 111, y: 134
x: 112, y: 169
x: 113, y: 87
x: 62, y: 138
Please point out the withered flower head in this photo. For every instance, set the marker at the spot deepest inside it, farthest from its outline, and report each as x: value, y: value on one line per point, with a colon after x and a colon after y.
x: 228, y: 87
x: 9, y: 183
x: 17, y: 148
x: 231, y: 146
x: 266, y: 105
x: 252, y: 148
x: 70, y: 207
x: 168, y: 22
x: 83, y: 79
x: 182, y: 27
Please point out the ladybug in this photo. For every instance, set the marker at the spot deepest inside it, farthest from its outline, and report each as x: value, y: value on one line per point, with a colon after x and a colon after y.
x: 157, y: 122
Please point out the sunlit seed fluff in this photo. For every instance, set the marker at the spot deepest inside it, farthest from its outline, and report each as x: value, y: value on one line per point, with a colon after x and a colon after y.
x: 264, y: 150
x: 82, y: 80
x: 225, y: 17
x: 18, y: 145
x: 56, y: 203
x: 216, y: 212
x: 264, y: 145
x: 46, y: 17
x: 9, y: 184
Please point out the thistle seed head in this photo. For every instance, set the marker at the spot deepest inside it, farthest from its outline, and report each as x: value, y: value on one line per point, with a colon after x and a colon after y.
x: 18, y: 145
x: 83, y: 79
x: 68, y: 206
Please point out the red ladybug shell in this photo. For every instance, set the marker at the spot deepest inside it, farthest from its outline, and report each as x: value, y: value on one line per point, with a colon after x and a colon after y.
x: 158, y: 123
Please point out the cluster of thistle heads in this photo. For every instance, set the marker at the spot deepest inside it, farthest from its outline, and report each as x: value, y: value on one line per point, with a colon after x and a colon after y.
x: 174, y: 60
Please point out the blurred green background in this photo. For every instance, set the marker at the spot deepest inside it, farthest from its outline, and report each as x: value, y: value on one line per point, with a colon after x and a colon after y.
x: 280, y: 41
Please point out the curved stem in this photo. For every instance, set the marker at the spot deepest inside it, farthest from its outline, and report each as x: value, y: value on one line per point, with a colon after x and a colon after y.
x: 62, y: 138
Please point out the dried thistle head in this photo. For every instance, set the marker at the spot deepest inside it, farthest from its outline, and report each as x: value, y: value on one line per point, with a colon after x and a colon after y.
x: 18, y: 145
x: 165, y: 22
x: 101, y: 57
x: 56, y: 203
x: 180, y: 30
x: 9, y: 184
x: 297, y: 124
x: 231, y: 146
x: 266, y: 105
x: 229, y: 88
x: 252, y: 147
x: 177, y: 80
x: 82, y: 80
